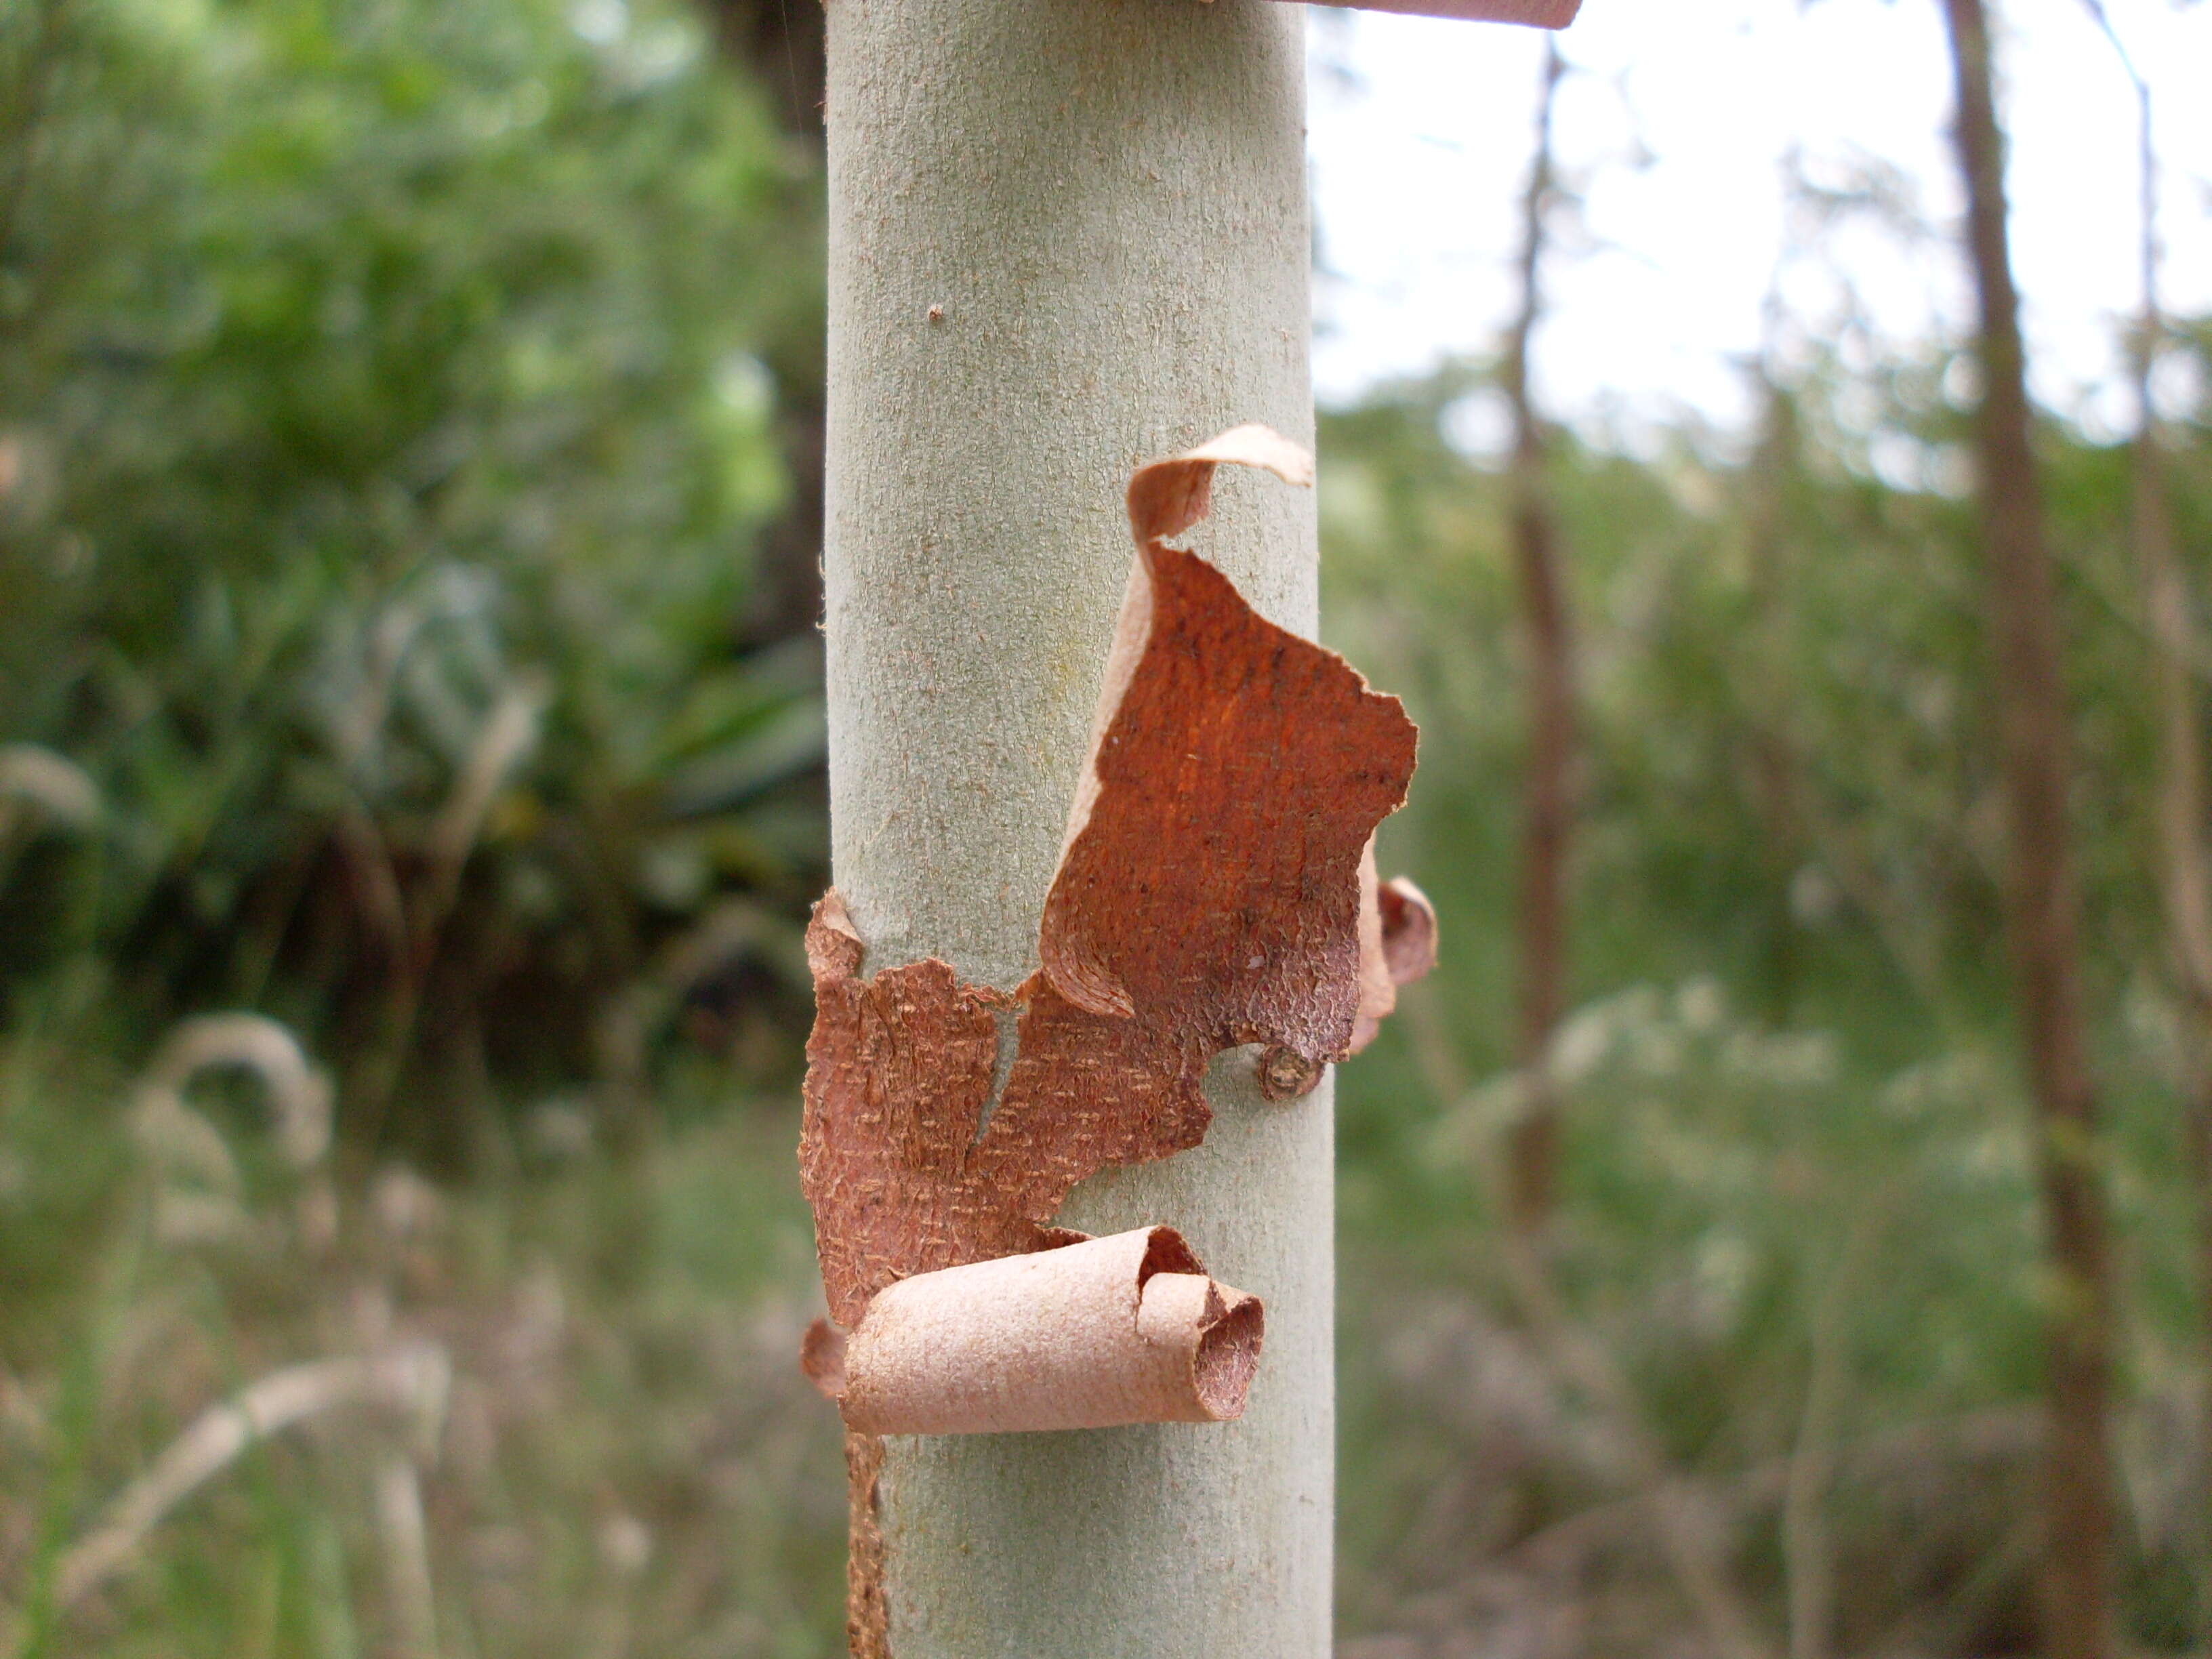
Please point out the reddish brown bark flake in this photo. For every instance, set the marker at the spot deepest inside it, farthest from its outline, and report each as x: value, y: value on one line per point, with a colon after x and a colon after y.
x: 898, y: 1071
x: 1210, y: 889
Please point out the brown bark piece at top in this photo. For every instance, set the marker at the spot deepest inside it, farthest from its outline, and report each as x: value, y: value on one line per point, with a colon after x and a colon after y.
x: 1536, y: 13
x: 1092, y: 1335
x: 1210, y: 886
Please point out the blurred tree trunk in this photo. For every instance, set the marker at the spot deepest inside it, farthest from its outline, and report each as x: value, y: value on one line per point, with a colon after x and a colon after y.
x: 1776, y: 766
x: 780, y: 43
x: 1066, y: 236
x: 2169, y: 613
x: 2044, y: 899
x: 1547, y: 811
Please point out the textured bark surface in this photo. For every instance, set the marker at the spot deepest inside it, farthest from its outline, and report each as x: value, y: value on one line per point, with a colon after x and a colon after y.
x: 1103, y: 202
x: 898, y: 1073
x: 2044, y: 900
x: 1210, y: 885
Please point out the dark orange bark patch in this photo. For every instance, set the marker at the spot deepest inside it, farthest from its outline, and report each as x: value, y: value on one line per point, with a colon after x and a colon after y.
x: 898, y: 1068
x: 1087, y: 1091
x: 1209, y: 888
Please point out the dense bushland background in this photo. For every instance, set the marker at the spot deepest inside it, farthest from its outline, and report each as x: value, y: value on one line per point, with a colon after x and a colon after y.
x: 406, y: 556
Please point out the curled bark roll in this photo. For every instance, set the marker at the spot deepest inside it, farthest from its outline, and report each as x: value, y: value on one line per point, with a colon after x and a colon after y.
x: 1090, y: 1335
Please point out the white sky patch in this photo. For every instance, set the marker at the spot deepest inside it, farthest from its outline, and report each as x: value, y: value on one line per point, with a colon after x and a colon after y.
x: 1673, y: 127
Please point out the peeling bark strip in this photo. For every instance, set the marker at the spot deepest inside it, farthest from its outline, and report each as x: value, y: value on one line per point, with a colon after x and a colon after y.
x: 1112, y: 1331
x: 1210, y: 895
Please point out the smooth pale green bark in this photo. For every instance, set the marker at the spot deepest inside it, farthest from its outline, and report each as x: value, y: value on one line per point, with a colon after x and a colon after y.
x: 1068, y: 236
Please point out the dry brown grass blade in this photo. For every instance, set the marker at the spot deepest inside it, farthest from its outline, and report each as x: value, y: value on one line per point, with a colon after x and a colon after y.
x: 410, y: 1590
x: 57, y: 787
x: 299, y: 1095
x: 410, y: 1379
x: 508, y: 734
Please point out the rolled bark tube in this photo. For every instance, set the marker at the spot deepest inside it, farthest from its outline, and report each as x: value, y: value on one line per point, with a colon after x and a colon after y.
x: 1092, y: 1335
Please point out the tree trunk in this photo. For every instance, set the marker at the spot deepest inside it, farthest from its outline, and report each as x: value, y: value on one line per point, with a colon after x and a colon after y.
x: 1547, y: 811
x: 1777, y: 768
x: 2044, y: 900
x: 2170, y: 617
x: 2180, y: 811
x: 780, y: 43
x: 1066, y: 236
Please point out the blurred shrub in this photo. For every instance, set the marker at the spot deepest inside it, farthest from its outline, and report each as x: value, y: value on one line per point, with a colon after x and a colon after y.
x: 384, y: 429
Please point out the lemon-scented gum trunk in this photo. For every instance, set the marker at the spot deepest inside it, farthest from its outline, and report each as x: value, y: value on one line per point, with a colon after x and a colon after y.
x: 1067, y: 237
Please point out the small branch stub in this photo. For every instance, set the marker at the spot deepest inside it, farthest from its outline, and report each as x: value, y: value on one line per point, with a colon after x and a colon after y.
x: 1286, y: 1074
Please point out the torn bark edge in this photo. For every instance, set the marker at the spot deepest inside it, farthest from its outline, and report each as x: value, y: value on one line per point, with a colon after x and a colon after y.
x: 1100, y: 1334
x: 1397, y: 946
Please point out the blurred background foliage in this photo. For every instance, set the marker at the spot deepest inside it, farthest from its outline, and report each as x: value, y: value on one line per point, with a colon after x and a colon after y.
x: 1798, y: 1234
x: 390, y: 398
x: 408, y: 532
